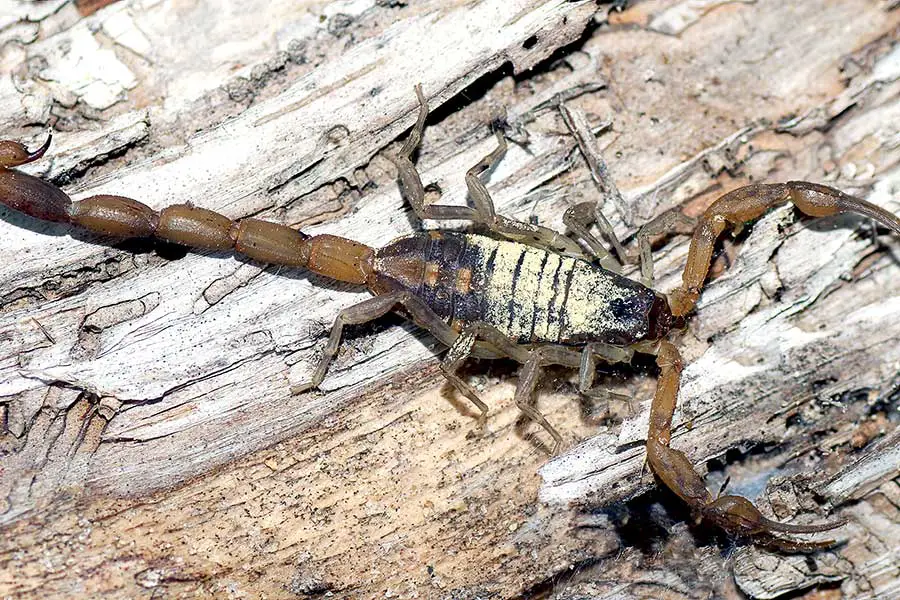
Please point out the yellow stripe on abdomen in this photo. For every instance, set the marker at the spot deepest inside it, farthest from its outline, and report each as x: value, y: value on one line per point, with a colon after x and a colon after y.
x: 517, y: 283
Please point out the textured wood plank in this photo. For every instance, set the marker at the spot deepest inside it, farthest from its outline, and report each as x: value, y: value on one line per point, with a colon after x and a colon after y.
x: 152, y: 446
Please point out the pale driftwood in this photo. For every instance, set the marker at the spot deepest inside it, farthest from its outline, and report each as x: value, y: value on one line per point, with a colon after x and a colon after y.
x: 189, y: 468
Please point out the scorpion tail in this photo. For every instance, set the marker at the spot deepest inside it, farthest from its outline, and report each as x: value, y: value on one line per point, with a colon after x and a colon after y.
x: 185, y: 224
x: 28, y: 194
x: 15, y: 154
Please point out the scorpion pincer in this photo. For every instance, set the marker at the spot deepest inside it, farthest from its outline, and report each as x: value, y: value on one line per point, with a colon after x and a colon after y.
x: 525, y: 292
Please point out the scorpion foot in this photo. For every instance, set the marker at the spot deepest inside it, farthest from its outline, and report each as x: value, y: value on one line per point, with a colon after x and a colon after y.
x: 303, y: 387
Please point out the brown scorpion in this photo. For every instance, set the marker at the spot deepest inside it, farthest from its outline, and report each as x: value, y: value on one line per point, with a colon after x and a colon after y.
x: 527, y: 292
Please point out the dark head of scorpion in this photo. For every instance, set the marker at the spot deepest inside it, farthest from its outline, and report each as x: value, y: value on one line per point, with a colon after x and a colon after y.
x: 523, y: 292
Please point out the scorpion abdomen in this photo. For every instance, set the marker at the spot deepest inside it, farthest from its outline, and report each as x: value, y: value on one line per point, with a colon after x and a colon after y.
x: 531, y: 295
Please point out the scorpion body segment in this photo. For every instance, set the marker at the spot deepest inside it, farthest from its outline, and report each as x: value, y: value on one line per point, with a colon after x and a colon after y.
x: 530, y: 295
x: 517, y: 294
x: 195, y: 227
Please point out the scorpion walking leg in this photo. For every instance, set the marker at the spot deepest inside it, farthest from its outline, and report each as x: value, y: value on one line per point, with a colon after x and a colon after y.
x: 510, y: 228
x: 746, y: 203
x: 733, y: 513
x: 524, y: 397
x: 411, y: 185
x: 588, y: 367
x: 532, y: 359
x: 669, y: 221
x: 578, y: 219
x: 457, y: 354
x: 411, y: 182
x: 369, y: 310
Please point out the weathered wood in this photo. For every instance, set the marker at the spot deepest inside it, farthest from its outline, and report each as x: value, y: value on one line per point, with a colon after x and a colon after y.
x: 319, y: 130
x: 152, y: 445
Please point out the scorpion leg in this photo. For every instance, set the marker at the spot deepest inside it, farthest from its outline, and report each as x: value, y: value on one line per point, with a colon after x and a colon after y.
x: 733, y: 513
x: 578, y: 219
x: 749, y: 202
x: 411, y: 185
x: 411, y: 181
x: 588, y: 367
x: 510, y: 228
x: 499, y: 345
x: 669, y: 221
x: 528, y: 380
x: 372, y: 309
x: 457, y: 354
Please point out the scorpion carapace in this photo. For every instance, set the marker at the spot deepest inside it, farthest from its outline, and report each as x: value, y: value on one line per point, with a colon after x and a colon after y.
x: 526, y: 292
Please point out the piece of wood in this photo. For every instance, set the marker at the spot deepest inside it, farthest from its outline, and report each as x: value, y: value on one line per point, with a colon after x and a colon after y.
x: 152, y: 447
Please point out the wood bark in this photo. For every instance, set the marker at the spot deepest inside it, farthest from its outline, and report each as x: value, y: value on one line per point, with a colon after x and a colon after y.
x: 152, y: 447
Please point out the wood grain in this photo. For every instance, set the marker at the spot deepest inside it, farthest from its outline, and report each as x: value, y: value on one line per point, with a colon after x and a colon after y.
x: 152, y: 447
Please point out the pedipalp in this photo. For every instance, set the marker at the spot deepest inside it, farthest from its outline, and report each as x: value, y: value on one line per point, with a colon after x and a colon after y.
x: 749, y: 202
x: 735, y: 514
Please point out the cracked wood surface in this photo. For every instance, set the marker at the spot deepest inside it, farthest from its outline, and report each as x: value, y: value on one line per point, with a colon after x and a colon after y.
x: 152, y: 447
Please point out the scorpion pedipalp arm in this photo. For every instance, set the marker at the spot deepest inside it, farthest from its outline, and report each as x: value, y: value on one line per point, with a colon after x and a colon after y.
x: 735, y: 514
x: 737, y: 509
x: 749, y: 202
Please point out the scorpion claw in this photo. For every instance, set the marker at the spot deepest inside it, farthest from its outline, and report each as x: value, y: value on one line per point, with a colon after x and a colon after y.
x: 740, y: 516
x: 776, y: 526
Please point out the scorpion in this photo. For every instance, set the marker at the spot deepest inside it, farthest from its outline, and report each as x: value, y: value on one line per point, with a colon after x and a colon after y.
x: 526, y: 292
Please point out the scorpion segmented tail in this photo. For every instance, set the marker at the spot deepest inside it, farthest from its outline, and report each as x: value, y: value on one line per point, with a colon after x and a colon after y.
x: 118, y: 216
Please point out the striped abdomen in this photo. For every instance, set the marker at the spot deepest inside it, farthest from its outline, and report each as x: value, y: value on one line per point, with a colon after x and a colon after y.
x: 529, y: 294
